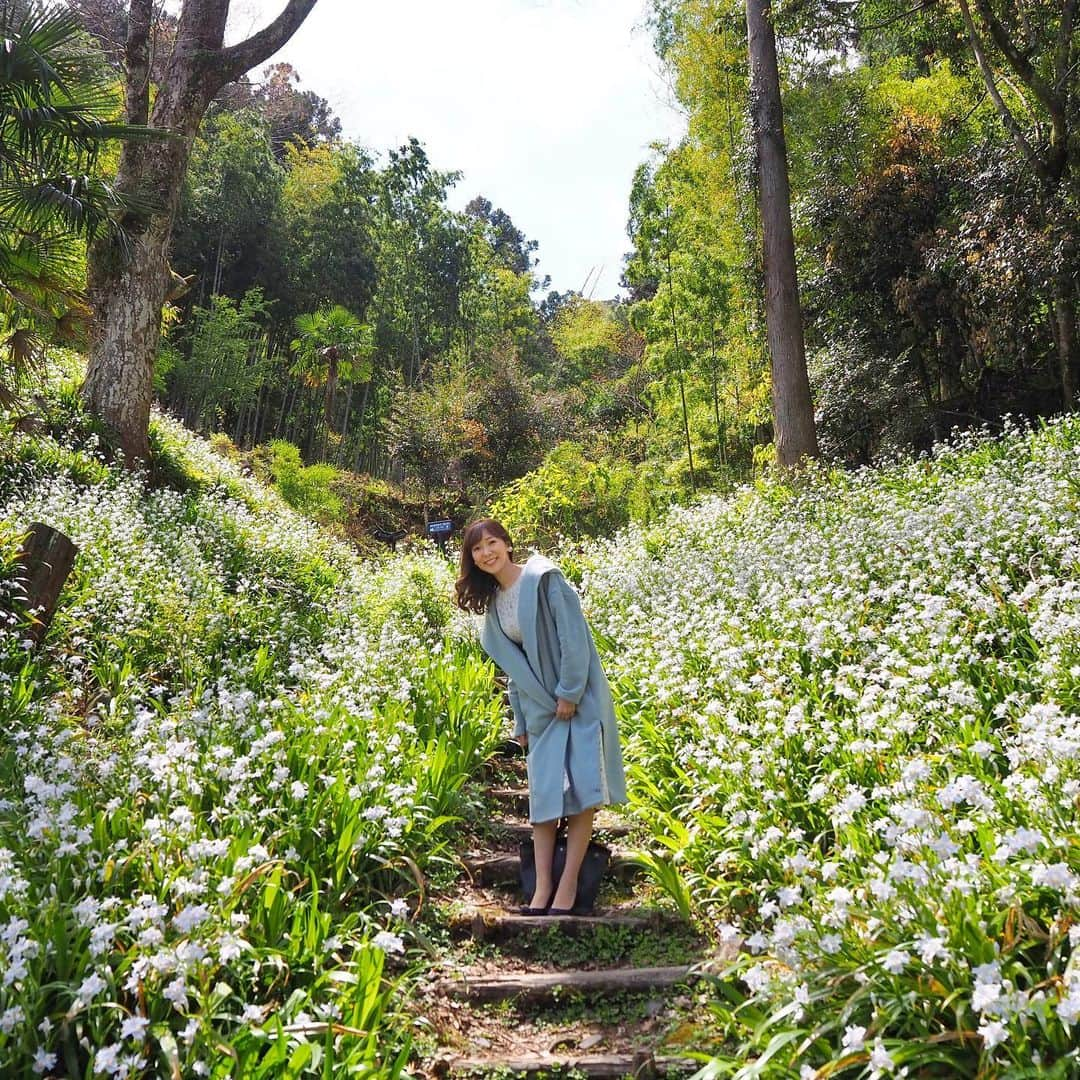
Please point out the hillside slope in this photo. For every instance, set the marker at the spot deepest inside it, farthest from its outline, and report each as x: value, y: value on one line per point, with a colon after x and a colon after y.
x: 850, y: 712
x: 237, y: 747
x: 854, y: 718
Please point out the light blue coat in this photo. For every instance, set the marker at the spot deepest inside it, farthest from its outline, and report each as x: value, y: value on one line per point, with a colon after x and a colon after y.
x: 573, y: 765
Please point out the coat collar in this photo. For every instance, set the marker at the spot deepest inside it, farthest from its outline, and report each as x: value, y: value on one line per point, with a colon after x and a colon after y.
x: 532, y: 574
x: 520, y: 663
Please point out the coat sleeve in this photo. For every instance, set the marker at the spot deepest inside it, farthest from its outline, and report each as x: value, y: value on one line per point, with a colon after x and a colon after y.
x: 573, y: 634
x: 515, y: 707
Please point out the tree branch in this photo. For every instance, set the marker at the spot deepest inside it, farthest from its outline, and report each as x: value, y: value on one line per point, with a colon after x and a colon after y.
x: 1064, y: 49
x: 1017, y: 60
x: 137, y: 61
x: 234, y: 61
x: 1007, y: 118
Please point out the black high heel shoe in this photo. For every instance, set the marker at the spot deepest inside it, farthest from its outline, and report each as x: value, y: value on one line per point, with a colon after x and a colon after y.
x: 562, y: 910
x: 534, y: 911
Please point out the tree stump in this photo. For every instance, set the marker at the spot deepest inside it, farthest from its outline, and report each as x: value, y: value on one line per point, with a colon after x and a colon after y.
x: 47, y: 557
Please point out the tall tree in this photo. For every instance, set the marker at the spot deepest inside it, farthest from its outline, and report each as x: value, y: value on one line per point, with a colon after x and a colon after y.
x: 127, y: 287
x: 793, y: 411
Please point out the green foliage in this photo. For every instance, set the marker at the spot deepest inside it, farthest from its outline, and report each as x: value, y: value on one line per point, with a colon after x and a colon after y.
x: 231, y: 192
x: 229, y: 767
x: 307, y: 488
x: 220, y: 359
x: 572, y: 495
x: 838, y: 698
x: 58, y: 114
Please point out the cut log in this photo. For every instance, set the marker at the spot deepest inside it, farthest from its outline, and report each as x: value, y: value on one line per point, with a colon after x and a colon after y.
x: 641, y: 1066
x: 516, y: 798
x: 495, y: 924
x: 46, y: 557
x: 540, y: 986
x: 506, y: 869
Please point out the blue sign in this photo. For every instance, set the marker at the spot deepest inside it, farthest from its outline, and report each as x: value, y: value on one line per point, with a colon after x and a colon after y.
x: 443, y: 527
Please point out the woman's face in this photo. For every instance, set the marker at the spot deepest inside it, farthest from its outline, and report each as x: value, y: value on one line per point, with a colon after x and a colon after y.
x: 491, y: 554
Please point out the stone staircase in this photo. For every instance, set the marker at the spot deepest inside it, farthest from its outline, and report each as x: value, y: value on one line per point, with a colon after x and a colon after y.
x: 610, y: 995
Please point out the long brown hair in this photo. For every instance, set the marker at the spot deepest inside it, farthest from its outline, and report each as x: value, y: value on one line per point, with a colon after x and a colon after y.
x: 476, y: 587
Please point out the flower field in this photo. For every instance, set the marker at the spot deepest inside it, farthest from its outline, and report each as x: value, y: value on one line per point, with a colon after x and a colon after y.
x: 223, y: 780
x: 854, y: 721
x: 850, y: 716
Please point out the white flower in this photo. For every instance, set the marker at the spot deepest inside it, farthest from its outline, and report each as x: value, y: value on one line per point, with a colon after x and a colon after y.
x: 90, y: 987
x: 992, y: 1032
x: 854, y: 1038
x: 298, y: 789
x: 192, y: 916
x: 896, y: 961
x: 880, y: 1058
x: 107, y: 1059
x: 229, y: 948
x: 1068, y: 1008
x: 985, y: 995
x: 11, y: 1018
x: 830, y: 944
x: 399, y: 908
x: 134, y: 1027
x: 389, y: 942
x: 43, y: 1060
x: 176, y: 992
x: 931, y: 949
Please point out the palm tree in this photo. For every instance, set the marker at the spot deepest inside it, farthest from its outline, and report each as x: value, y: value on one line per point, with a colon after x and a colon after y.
x: 57, y: 109
x: 332, y: 344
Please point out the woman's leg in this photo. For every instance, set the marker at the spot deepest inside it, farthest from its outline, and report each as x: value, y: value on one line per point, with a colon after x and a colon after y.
x: 578, y: 834
x: 544, y: 851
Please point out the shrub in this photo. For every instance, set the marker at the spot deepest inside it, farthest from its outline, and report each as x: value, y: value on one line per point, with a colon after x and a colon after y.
x: 307, y: 488
x: 570, y: 495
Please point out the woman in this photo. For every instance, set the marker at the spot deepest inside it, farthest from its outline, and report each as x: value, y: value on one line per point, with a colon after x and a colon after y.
x: 563, y: 716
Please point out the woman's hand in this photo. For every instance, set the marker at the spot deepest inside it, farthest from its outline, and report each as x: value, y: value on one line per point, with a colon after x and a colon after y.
x: 564, y: 710
x: 522, y: 741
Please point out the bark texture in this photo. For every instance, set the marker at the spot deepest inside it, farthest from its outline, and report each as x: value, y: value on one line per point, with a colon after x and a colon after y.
x: 47, y: 557
x: 792, y: 407
x: 127, y: 283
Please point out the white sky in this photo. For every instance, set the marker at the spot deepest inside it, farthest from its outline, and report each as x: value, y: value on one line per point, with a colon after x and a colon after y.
x: 546, y: 106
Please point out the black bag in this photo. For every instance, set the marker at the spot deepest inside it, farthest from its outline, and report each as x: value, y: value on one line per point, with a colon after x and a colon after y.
x: 592, y: 870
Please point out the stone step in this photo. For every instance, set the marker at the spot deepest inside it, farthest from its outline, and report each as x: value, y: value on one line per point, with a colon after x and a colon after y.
x: 505, y: 869
x: 515, y: 798
x: 642, y: 1066
x: 533, y: 987
x: 496, y: 924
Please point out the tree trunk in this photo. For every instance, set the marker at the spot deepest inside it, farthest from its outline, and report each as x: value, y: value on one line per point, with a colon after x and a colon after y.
x: 127, y: 282
x: 682, y: 382
x: 792, y: 408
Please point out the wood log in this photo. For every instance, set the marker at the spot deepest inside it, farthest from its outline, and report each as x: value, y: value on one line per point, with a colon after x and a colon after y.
x: 542, y: 985
x: 47, y: 557
x: 640, y: 1065
x: 495, y: 924
x: 517, y: 798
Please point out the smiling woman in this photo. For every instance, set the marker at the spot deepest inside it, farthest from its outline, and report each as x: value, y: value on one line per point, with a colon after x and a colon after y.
x: 563, y: 714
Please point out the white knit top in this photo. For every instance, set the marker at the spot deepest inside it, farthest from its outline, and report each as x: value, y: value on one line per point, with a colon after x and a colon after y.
x: 506, y: 607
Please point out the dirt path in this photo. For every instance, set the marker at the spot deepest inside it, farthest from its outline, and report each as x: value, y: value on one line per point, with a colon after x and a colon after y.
x: 610, y: 995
